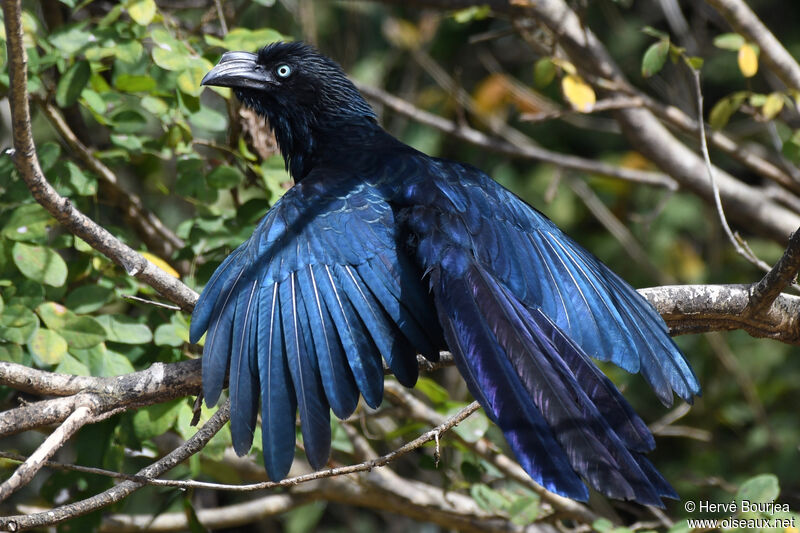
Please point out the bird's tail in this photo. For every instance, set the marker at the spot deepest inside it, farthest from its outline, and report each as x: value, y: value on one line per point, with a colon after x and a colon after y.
x: 564, y: 420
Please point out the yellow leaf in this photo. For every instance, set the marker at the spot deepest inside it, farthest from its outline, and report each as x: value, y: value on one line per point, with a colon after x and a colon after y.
x: 772, y: 106
x: 748, y: 60
x: 491, y: 94
x: 160, y: 263
x: 142, y: 11
x: 578, y: 93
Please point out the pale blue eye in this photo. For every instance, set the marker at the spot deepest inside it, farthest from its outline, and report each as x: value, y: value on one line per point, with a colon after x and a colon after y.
x: 283, y: 71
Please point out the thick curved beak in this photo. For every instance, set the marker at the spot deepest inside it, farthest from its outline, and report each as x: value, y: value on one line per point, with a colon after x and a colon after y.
x: 238, y: 70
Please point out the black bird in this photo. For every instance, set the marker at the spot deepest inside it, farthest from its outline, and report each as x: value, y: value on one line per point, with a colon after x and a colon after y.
x: 381, y: 250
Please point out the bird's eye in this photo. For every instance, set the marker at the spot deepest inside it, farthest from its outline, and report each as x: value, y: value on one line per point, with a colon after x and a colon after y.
x: 283, y: 71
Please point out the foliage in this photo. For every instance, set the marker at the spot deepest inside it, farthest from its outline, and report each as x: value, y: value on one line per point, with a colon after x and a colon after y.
x: 126, y: 77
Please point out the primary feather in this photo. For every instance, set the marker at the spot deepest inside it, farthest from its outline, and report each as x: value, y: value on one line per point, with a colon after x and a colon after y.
x: 380, y: 251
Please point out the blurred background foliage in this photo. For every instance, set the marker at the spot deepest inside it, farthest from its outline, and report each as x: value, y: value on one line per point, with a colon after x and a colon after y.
x: 123, y: 80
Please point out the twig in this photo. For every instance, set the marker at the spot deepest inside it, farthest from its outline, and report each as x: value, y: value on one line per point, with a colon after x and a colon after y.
x: 124, y: 489
x: 221, y: 16
x: 779, y: 277
x: 25, y: 472
x: 744, y: 251
x: 419, y: 411
x: 744, y: 21
x: 608, y: 104
x: 24, y: 157
x: 528, y: 151
x: 150, y: 302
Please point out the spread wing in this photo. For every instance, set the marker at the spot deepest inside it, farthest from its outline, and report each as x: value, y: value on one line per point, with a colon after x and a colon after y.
x: 302, y: 312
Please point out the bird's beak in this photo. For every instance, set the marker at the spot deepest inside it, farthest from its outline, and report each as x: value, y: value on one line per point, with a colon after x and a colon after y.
x: 238, y: 70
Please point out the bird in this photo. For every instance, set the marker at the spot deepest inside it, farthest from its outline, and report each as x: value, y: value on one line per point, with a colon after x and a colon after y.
x: 379, y: 252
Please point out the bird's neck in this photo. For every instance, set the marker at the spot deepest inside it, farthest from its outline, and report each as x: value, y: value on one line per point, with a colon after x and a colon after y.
x: 306, y: 143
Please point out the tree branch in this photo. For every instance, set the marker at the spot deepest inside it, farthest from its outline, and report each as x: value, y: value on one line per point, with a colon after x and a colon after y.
x: 124, y: 489
x: 24, y: 156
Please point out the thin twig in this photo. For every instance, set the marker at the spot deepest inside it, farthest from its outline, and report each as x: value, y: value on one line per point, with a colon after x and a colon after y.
x: 528, y: 151
x: 737, y: 244
x: 150, y: 302
x: 482, y: 447
x: 608, y: 104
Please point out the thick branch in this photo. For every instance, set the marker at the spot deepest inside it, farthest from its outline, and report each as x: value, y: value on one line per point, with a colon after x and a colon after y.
x: 24, y: 156
x: 159, y: 383
x: 773, y: 54
x: 704, y: 308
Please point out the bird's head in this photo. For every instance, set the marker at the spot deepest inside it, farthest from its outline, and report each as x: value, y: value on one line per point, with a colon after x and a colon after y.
x: 303, y: 94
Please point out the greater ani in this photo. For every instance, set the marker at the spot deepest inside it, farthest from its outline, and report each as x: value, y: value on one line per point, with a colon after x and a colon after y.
x: 379, y: 251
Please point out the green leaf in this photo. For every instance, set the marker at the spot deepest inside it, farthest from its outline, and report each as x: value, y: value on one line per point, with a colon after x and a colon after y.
x: 28, y: 222
x: 225, y: 177
x: 124, y: 329
x: 524, y: 510
x: 129, y: 51
x: 544, y: 71
x: 473, y: 427
x: 70, y: 365
x: 103, y: 362
x: 435, y: 392
x: 305, y: 518
x: 54, y: 315
x: 167, y: 335
x: 724, y: 109
x: 82, y: 332
x: 171, y: 56
x: 12, y: 353
x: 156, y: 419
x: 209, y: 120
x: 729, y: 41
x: 128, y: 121
x: 602, y: 525
x: 47, y: 347
x: 488, y: 499
x: 468, y: 14
x: 155, y: 105
x: 70, y: 39
x: 245, y: 39
x: 134, y: 83
x: 18, y: 324
x: 759, y: 489
x: 654, y: 58
x: 142, y: 11
x: 72, y: 83
x: 88, y: 298
x: 79, y: 181
x: 40, y: 264
x: 652, y: 32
